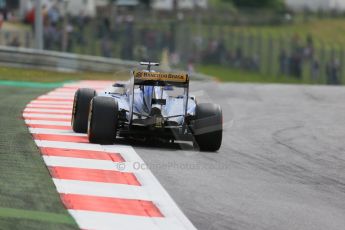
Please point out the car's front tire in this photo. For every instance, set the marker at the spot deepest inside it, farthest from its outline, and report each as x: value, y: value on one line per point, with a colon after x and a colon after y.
x: 103, y: 120
x: 81, y: 106
x: 208, y: 127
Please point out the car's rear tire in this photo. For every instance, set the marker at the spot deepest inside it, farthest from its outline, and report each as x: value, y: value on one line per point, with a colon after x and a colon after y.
x: 103, y: 120
x: 208, y: 127
x: 81, y: 106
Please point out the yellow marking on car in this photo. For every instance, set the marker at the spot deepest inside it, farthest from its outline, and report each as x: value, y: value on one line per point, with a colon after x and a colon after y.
x: 156, y: 76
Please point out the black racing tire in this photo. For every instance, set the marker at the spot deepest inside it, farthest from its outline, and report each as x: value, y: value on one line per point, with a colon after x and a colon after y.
x: 103, y: 120
x: 208, y: 127
x: 81, y: 107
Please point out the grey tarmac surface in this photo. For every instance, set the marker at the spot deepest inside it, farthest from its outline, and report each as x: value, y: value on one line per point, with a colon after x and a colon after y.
x: 281, y: 165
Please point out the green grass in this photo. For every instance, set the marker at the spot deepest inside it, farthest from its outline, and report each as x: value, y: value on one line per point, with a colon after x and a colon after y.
x: 36, y: 216
x: 31, y: 84
x: 34, y: 75
x: 224, y: 74
x: 28, y: 198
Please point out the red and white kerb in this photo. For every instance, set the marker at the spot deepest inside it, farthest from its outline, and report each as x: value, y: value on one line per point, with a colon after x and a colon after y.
x: 97, y: 183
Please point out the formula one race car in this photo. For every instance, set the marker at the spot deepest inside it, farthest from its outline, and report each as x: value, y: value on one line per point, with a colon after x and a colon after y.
x: 151, y: 106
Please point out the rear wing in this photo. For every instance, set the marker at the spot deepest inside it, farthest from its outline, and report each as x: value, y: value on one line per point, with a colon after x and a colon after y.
x: 160, y: 79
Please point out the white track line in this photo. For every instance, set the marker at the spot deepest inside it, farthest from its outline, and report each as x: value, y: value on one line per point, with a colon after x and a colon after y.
x: 69, y: 145
x: 53, y: 98
x: 41, y: 122
x: 48, y: 96
x: 88, y: 164
x: 57, y: 111
x: 101, y: 189
x: 43, y: 102
x: 87, y: 85
x: 64, y: 90
x: 56, y: 132
x: 46, y: 115
x: 108, y: 221
x: 49, y: 106
x: 60, y: 93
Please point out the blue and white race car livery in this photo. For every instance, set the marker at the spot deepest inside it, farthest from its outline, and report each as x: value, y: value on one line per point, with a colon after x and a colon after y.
x: 152, y: 105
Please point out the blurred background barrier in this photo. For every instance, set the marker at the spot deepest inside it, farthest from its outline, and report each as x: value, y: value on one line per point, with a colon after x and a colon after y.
x: 190, y: 36
x: 268, y: 54
x: 24, y: 57
x: 53, y: 60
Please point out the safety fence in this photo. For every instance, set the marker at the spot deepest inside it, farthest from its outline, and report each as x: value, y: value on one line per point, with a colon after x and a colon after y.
x: 60, y: 61
x: 185, y: 44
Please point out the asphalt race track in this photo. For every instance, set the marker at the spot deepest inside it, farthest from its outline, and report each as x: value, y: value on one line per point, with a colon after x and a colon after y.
x: 281, y: 165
